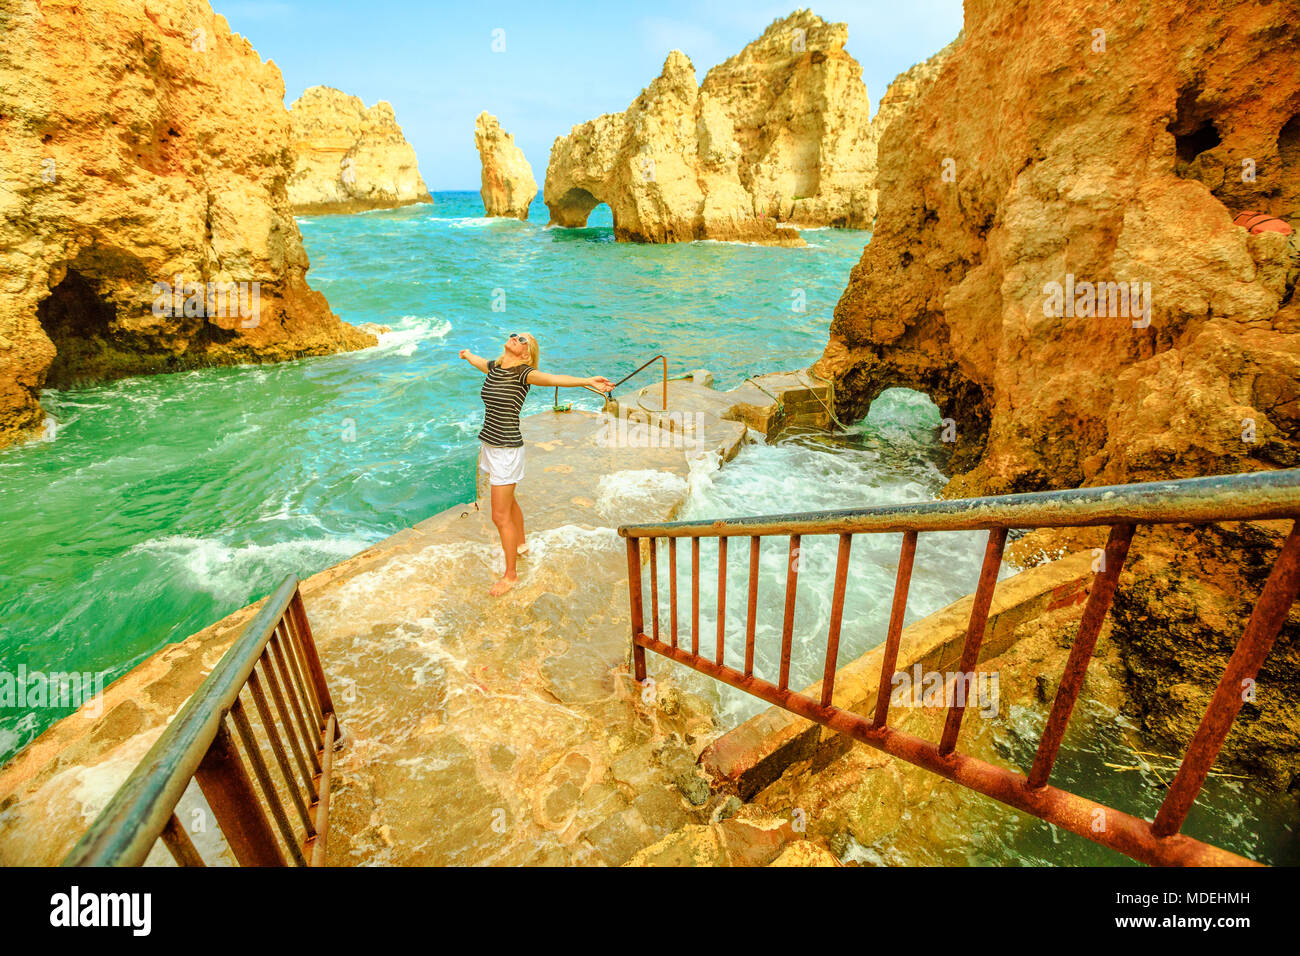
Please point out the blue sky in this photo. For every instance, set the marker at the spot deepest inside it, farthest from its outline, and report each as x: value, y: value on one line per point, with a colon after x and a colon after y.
x: 563, y: 63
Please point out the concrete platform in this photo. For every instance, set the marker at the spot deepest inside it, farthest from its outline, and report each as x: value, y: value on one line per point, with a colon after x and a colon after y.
x: 481, y: 730
x: 768, y: 403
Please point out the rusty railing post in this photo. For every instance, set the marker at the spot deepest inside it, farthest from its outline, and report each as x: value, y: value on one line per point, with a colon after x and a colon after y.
x: 970, y: 652
x: 722, y: 595
x: 837, y: 617
x: 889, y: 662
x: 787, y: 625
x: 1261, y: 630
x: 1085, y: 642
x: 634, y: 589
x: 752, y: 607
x: 229, y: 792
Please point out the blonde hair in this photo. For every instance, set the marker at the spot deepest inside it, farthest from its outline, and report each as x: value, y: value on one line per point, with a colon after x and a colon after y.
x: 534, y: 352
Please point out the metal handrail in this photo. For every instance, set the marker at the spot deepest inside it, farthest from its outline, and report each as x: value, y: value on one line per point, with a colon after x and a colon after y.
x: 607, y: 395
x: 1254, y: 496
x: 1195, y: 501
x: 657, y: 358
x: 198, y: 744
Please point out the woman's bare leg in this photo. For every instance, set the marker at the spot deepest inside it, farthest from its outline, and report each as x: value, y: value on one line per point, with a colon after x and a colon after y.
x: 517, y: 516
x: 503, y: 508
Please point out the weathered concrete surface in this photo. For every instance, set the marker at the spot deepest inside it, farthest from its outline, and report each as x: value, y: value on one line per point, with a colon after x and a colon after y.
x: 768, y: 403
x: 456, y: 706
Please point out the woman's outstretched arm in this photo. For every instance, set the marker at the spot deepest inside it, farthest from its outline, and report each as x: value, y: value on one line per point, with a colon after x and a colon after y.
x: 598, y: 382
x: 478, y: 361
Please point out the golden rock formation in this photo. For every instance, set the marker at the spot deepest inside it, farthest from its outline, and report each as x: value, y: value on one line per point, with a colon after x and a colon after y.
x: 349, y: 157
x: 777, y: 134
x: 508, y: 184
x: 1055, y: 263
x: 144, y: 225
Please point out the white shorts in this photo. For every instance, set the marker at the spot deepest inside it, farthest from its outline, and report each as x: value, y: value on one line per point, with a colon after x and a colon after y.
x: 504, y: 466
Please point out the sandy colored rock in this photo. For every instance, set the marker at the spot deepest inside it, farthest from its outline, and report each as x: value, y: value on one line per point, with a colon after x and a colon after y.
x: 777, y: 134
x: 898, y: 97
x: 139, y: 145
x: 508, y: 184
x: 1023, y: 169
x: 805, y: 853
x: 350, y: 157
x: 1119, y: 166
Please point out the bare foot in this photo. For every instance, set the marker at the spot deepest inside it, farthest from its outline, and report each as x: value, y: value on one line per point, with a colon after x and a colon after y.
x: 502, y: 586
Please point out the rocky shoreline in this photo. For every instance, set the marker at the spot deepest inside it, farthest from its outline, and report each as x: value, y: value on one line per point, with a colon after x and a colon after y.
x: 144, y: 222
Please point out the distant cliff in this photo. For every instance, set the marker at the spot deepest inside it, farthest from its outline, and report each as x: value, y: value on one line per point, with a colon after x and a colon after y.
x: 777, y: 134
x: 144, y: 225
x: 349, y: 158
x: 508, y: 184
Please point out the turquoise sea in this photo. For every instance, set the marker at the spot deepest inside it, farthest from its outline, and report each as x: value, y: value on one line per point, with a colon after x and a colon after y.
x: 165, y: 502
x: 161, y: 504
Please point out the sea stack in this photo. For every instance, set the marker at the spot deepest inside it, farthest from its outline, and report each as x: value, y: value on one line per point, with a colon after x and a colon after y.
x: 777, y: 134
x: 350, y: 158
x: 508, y: 183
x: 144, y: 224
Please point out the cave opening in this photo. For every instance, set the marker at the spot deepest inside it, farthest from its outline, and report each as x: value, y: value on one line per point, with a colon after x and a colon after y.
x: 1192, y: 127
x: 78, y: 321
x: 573, y: 208
x: 1202, y: 139
x: 601, y: 217
x: 1288, y: 152
x: 907, y: 412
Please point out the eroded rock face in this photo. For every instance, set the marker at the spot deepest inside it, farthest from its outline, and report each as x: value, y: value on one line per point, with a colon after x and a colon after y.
x: 777, y: 134
x: 1019, y: 189
x: 1021, y: 168
x: 508, y: 184
x: 349, y: 157
x: 144, y: 152
x: 902, y: 90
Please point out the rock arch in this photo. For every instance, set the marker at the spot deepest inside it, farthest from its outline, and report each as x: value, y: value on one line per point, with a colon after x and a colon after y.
x: 572, y: 209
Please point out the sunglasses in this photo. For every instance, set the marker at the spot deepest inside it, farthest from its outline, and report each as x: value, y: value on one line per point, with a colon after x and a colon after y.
x: 521, y: 338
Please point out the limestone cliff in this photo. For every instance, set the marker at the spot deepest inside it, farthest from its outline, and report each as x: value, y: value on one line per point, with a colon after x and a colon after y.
x: 897, y: 99
x: 508, y: 184
x: 349, y: 157
x: 777, y: 134
x: 144, y: 225
x: 1055, y: 263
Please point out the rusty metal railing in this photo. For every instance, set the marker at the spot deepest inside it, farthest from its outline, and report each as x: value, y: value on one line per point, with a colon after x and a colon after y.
x: 657, y: 358
x: 275, y: 661
x: 1247, y: 497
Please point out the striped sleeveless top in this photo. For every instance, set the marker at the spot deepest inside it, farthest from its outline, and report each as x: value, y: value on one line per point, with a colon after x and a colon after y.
x: 503, y: 393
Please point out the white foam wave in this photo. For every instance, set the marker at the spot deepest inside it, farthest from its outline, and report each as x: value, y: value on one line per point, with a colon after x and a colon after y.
x: 224, y: 570
x: 775, y: 479
x: 469, y: 222
x: 623, y: 494
x: 409, y: 331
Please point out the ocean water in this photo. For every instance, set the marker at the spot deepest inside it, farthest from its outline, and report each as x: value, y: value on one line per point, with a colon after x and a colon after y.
x: 160, y: 504
x: 163, y: 503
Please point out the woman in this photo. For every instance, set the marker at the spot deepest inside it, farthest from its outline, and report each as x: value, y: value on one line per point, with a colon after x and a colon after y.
x: 502, y: 451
